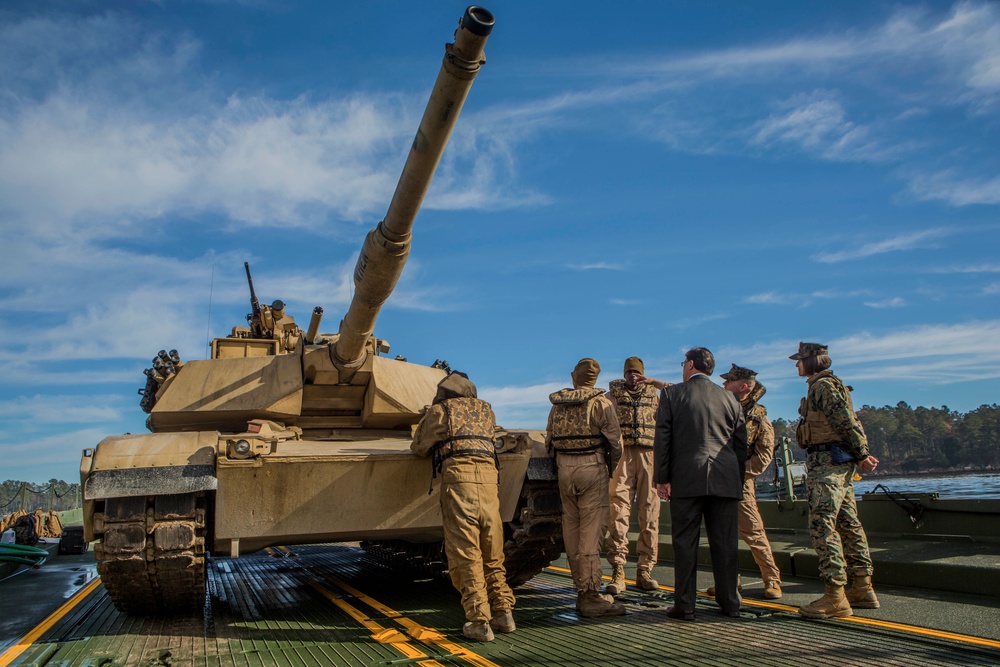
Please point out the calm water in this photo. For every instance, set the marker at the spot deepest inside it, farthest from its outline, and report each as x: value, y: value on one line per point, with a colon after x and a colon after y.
x: 959, y: 485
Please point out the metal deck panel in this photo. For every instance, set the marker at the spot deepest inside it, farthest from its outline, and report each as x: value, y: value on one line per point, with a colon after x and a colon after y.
x: 281, y: 608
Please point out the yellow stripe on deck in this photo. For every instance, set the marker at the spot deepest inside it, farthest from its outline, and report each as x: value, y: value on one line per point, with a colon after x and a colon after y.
x: 25, y: 642
x: 874, y: 622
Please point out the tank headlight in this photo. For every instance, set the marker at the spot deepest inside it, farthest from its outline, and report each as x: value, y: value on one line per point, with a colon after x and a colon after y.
x: 241, y: 447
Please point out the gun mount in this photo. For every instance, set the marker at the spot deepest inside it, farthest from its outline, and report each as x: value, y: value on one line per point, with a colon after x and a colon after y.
x: 253, y: 446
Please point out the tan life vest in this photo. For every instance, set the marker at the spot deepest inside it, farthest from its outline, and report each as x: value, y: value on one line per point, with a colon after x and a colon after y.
x: 636, y: 415
x: 471, y: 427
x: 572, y: 430
x: 814, y: 428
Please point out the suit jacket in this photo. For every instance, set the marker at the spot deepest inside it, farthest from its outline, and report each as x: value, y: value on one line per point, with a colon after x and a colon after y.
x: 700, y: 444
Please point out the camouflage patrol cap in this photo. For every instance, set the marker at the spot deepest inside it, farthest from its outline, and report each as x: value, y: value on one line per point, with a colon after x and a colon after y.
x: 739, y: 373
x: 634, y: 364
x: 809, y: 349
x: 586, y: 372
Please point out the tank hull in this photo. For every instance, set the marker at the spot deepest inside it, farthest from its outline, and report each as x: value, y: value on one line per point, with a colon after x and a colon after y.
x: 371, y: 490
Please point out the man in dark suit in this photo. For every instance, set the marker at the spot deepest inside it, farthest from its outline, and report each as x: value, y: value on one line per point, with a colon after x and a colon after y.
x: 700, y: 453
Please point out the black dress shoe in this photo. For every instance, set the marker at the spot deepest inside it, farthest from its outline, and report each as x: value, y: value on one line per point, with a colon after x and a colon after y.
x: 731, y: 614
x: 680, y: 614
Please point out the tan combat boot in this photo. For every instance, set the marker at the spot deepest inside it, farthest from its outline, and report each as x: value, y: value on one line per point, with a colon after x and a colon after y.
x: 739, y: 587
x: 610, y: 599
x: 644, y: 581
x: 772, y: 590
x: 478, y: 631
x: 617, y: 584
x: 503, y: 621
x: 833, y: 604
x: 861, y: 595
x: 592, y: 604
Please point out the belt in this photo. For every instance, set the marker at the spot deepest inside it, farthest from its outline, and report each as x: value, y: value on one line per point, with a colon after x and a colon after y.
x: 823, y: 447
x: 582, y: 456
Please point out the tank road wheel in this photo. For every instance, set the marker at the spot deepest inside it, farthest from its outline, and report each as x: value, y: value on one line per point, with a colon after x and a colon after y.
x: 151, y: 554
x: 534, y: 536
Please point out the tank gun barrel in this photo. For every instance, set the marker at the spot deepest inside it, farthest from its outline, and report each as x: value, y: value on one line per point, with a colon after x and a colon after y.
x: 387, y: 246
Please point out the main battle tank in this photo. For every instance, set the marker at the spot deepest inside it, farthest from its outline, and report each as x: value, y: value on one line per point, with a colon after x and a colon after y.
x: 287, y: 436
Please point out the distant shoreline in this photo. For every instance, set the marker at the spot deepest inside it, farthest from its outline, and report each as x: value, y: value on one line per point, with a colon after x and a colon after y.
x: 932, y: 472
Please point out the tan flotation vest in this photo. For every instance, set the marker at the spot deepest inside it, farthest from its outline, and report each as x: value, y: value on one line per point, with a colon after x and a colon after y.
x: 471, y: 427
x: 814, y: 428
x: 636, y: 415
x: 572, y: 430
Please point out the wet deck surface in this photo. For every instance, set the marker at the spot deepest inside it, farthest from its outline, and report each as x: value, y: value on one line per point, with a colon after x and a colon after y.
x: 322, y: 605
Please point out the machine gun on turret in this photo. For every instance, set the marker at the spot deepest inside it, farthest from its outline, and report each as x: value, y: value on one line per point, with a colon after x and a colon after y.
x: 254, y: 317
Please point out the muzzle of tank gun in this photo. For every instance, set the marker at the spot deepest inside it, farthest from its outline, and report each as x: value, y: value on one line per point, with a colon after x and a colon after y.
x: 313, y: 330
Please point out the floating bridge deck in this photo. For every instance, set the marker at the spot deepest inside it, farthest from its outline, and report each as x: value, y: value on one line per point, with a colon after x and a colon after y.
x: 331, y: 605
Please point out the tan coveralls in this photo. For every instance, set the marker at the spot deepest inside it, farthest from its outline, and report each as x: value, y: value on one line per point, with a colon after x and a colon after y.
x: 583, y: 485
x: 470, y: 504
x: 633, y: 477
x: 760, y: 435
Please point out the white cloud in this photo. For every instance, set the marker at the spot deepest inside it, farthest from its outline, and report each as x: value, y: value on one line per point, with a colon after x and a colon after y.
x: 898, y: 243
x: 968, y: 268
x: 819, y: 125
x: 894, y: 302
x: 991, y: 290
x: 61, y: 409
x: 770, y: 298
x: 960, y: 191
x: 596, y: 266
x: 931, y: 353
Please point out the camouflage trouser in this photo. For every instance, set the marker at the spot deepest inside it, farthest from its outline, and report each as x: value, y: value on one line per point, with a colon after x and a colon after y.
x: 473, y: 543
x: 633, y: 479
x: 583, y: 489
x: 836, y: 532
x: 751, y: 528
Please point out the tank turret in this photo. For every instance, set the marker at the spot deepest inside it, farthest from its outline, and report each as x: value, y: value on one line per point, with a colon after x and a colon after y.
x: 253, y: 446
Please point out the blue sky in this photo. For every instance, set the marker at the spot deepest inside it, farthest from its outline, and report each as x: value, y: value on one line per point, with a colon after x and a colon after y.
x: 627, y: 179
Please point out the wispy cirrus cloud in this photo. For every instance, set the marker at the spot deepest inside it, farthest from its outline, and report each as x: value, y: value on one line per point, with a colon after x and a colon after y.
x: 770, y: 298
x: 921, y: 239
x: 596, y: 266
x: 984, y: 267
x: 818, y: 123
x: 949, y: 186
x: 893, y: 302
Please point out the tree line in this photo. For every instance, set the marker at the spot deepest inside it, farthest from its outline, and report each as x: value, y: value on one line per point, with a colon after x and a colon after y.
x: 909, y: 440
x: 905, y: 439
x: 55, y: 495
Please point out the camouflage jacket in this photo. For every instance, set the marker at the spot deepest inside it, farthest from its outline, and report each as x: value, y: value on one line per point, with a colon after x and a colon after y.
x: 760, y: 432
x: 827, y: 415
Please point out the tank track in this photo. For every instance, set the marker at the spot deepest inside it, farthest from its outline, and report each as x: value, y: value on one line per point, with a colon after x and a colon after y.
x: 151, y: 554
x: 533, y: 539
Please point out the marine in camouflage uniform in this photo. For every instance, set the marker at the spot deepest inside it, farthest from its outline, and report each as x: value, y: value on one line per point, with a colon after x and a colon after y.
x: 829, y: 431
x: 584, y: 437
x: 635, y: 399
x: 760, y: 436
x: 458, y: 431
